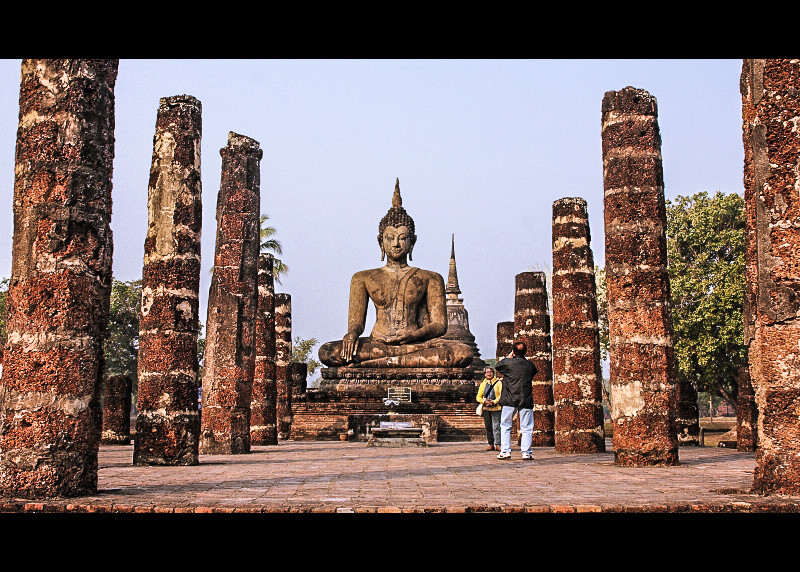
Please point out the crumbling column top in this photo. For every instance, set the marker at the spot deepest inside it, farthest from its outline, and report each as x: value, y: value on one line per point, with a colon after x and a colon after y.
x: 174, y: 100
x: 244, y: 144
x: 630, y: 100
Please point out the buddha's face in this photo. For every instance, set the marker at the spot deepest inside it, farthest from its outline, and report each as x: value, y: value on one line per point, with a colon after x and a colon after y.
x: 397, y: 242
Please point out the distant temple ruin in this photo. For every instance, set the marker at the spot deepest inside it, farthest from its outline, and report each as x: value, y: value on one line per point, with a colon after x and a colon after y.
x: 408, y: 369
x: 457, y: 315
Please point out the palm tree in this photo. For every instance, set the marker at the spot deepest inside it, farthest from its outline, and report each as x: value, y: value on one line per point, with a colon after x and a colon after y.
x: 272, y: 245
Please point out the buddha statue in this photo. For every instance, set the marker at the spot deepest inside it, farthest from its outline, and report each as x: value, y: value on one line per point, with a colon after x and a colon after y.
x: 410, y: 308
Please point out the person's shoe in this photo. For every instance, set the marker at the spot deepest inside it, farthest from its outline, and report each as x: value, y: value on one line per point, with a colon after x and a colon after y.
x: 497, y: 447
x: 490, y: 448
x: 503, y: 456
x: 527, y: 457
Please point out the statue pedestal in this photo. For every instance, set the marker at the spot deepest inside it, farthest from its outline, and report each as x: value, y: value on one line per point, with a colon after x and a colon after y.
x: 351, y: 399
x: 425, y: 383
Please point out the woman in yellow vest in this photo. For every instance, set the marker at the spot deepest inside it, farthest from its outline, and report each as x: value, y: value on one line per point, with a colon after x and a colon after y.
x: 488, y: 396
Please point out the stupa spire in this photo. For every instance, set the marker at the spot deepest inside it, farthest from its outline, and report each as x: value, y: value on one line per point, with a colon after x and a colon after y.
x: 452, y: 277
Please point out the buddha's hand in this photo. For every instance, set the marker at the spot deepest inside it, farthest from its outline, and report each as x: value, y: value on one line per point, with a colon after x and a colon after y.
x: 396, y: 340
x: 349, y: 347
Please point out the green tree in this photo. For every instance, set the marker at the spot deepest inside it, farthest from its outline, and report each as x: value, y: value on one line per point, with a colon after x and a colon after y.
x: 705, y: 249
x: 121, y: 346
x: 301, y: 352
x: 272, y: 245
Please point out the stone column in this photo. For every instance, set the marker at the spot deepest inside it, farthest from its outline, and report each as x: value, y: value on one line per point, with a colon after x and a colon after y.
x: 168, y: 423
x: 642, y: 372
x: 263, y: 426
x: 58, y: 297
x: 746, y: 413
x: 577, y: 375
x: 283, y: 358
x: 532, y: 325
x: 687, y: 419
x: 299, y: 374
x: 505, y: 339
x: 770, y: 118
x: 117, y: 410
x: 229, y: 364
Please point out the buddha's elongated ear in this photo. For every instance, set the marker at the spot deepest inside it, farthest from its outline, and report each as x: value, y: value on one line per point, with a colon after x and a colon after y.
x: 413, y: 242
x: 380, y: 244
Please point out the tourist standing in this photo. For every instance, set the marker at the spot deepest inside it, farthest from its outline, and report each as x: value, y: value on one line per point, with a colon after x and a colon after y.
x: 517, y: 397
x: 488, y: 395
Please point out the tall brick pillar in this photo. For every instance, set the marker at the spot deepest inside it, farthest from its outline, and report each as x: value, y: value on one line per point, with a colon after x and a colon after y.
x: 229, y: 364
x: 746, y: 413
x: 642, y: 373
x: 770, y: 118
x: 168, y: 423
x: 117, y: 410
x: 58, y: 298
x: 283, y: 359
x: 263, y: 426
x: 577, y: 375
x: 687, y: 418
x: 532, y: 325
x: 299, y: 372
x: 505, y: 339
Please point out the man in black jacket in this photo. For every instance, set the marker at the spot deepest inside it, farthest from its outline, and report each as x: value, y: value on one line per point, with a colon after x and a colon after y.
x: 517, y: 396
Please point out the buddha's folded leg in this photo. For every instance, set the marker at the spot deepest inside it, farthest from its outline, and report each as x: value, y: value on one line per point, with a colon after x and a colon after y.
x: 330, y: 353
x: 434, y: 353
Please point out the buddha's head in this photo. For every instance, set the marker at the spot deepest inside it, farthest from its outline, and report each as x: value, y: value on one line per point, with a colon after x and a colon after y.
x: 396, y: 235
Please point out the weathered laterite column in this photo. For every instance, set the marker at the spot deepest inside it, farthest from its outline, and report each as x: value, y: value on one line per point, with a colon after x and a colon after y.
x: 505, y: 339
x: 770, y: 116
x: 642, y: 368
x: 117, y: 410
x: 532, y: 325
x: 58, y: 298
x: 283, y: 358
x: 299, y: 372
x: 687, y: 417
x: 577, y: 375
x: 168, y: 423
x: 746, y: 413
x: 263, y: 426
x: 229, y: 364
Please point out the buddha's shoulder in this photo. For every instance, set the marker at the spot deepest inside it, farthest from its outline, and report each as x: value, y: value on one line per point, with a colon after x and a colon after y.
x: 429, y: 274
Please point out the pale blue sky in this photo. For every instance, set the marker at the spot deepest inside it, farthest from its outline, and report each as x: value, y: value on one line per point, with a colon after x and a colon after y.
x: 482, y: 148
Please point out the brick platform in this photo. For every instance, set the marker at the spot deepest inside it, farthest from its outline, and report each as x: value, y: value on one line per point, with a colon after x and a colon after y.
x: 336, y: 477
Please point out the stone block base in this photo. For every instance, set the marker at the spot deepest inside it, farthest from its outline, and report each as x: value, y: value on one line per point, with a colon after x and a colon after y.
x: 409, y: 437
x: 351, y: 400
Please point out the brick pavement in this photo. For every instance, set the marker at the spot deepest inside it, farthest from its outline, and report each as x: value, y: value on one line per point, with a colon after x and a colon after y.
x: 337, y: 477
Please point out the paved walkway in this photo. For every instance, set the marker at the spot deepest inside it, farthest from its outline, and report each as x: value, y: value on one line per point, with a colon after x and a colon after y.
x: 338, y: 477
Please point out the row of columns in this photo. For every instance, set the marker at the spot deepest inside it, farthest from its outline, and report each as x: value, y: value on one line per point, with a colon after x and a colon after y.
x: 567, y: 389
x: 651, y: 412
x: 58, y: 301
